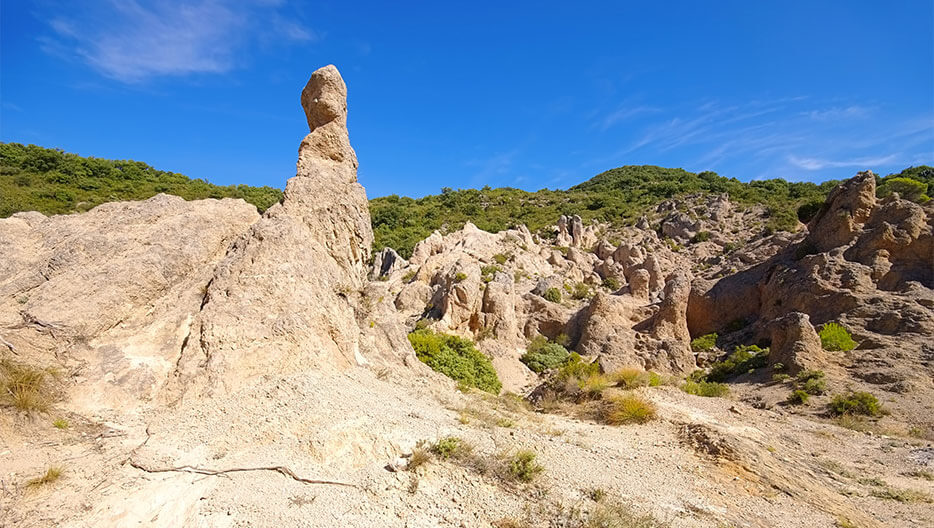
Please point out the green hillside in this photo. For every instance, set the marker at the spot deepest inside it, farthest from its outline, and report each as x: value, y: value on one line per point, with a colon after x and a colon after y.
x: 54, y: 182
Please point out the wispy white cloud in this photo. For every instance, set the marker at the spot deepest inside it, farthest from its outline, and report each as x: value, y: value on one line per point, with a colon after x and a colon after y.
x: 818, y: 164
x: 624, y: 113
x: 849, y: 112
x: 790, y: 137
x: 132, y: 41
x: 493, y: 167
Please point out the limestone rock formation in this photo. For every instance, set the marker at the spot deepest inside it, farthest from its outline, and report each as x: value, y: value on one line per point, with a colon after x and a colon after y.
x: 282, y: 299
x: 795, y: 344
x: 108, y: 294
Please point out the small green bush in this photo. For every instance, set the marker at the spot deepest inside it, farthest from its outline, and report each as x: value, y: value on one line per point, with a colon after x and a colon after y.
x: 501, y: 258
x: 806, y: 375
x: 611, y: 283
x: 577, y: 368
x: 815, y: 386
x: 448, y: 447
x: 552, y: 295
x: 460, y: 276
x: 541, y: 355
x: 861, y: 403
x: 743, y: 359
x: 706, y: 389
x: 523, y: 467
x: 704, y: 343
x: 409, y: 275
x: 701, y: 236
x: 456, y: 358
x: 834, y: 337
x: 798, y: 397
x: 581, y: 291
x: 489, y: 271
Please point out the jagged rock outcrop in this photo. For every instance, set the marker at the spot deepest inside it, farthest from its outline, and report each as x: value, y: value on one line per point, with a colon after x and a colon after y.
x: 385, y: 262
x: 625, y: 332
x: 865, y: 263
x: 795, y: 344
x: 282, y: 299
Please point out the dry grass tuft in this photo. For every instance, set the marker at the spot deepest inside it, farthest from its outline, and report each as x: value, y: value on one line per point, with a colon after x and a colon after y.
x: 24, y: 387
x: 51, y: 475
x: 627, y: 409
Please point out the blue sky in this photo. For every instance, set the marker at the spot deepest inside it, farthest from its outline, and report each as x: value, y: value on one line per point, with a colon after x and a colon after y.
x: 527, y: 95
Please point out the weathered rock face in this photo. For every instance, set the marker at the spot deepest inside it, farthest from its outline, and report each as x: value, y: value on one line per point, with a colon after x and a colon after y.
x: 385, y: 262
x: 111, y: 293
x: 856, y: 249
x: 795, y: 343
x: 624, y: 332
x: 843, y: 214
x: 281, y: 300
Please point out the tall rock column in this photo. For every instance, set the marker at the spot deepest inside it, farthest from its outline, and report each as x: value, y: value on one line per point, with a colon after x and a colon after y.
x: 279, y: 302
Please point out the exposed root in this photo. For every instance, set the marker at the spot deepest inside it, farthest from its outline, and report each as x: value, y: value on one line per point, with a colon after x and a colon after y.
x: 7, y: 344
x: 216, y: 472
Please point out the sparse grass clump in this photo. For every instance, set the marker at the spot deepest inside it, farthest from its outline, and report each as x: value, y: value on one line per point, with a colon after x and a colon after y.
x: 902, y: 495
x: 631, y: 378
x: 456, y: 358
x: 835, y: 338
x: 523, y: 467
x: 628, y: 409
x: 60, y: 423
x: 704, y: 343
x: 51, y: 475
x: 552, y: 295
x: 542, y: 355
x: 24, y: 387
x: 409, y: 275
x: 708, y: 389
x: 421, y: 455
x: 613, y: 514
x: 460, y: 276
x: 451, y: 447
x: 611, y: 283
x: 855, y: 403
x: 501, y: 258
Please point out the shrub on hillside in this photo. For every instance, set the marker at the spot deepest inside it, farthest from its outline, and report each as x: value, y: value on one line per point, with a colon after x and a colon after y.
x: 862, y: 403
x: 552, y: 295
x: 707, y: 389
x: 541, y: 355
x: 906, y: 188
x: 456, y: 358
x: 834, y: 337
x: 743, y: 359
x: 704, y: 343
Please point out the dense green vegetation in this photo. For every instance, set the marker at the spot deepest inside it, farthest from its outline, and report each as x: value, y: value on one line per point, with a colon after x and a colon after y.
x: 856, y: 403
x: 618, y: 196
x: 834, y: 337
x: 54, y: 182
x: 456, y: 358
x: 541, y: 355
